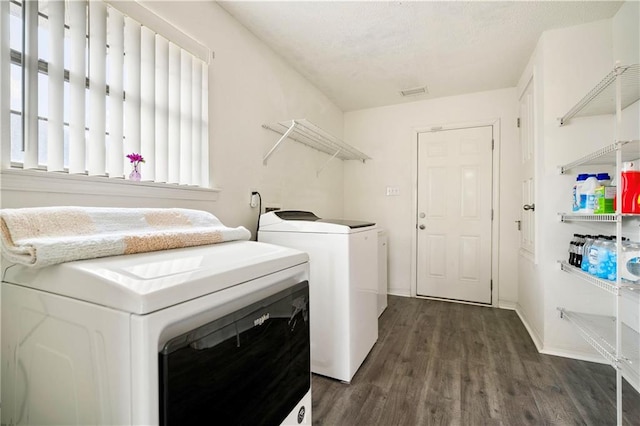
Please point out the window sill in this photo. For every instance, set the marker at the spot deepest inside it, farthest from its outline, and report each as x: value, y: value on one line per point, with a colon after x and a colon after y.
x: 53, y: 182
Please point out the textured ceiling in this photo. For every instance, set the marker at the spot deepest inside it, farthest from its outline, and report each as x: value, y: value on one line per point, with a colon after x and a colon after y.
x: 361, y: 54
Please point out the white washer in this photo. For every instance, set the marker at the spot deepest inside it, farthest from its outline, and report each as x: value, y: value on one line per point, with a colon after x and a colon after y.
x: 83, y: 342
x: 343, y: 285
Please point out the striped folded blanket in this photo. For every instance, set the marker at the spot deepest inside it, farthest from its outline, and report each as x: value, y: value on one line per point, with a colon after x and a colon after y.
x: 46, y: 236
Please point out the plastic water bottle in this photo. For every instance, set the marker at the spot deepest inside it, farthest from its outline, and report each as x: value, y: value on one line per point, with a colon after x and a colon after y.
x: 579, y: 247
x: 573, y: 249
x: 605, y: 248
x: 588, y: 242
x: 595, y: 252
x: 612, y: 266
x: 630, y: 258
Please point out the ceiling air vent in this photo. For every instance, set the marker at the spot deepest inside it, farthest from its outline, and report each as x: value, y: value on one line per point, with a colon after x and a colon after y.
x: 414, y: 92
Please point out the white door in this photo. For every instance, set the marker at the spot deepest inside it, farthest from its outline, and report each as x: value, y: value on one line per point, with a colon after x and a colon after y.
x: 454, y: 214
x: 527, y: 168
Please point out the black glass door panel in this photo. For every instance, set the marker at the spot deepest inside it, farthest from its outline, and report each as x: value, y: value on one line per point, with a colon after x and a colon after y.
x: 249, y: 368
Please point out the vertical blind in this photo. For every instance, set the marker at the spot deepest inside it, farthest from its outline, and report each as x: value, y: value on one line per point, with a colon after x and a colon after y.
x: 89, y: 85
x: 5, y: 87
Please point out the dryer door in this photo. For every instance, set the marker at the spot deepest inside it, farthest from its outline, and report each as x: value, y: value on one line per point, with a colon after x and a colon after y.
x: 249, y: 368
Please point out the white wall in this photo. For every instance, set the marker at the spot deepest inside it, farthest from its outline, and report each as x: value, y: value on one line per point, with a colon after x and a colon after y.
x: 570, y: 70
x: 570, y: 62
x: 387, y: 135
x: 626, y: 33
x: 249, y: 85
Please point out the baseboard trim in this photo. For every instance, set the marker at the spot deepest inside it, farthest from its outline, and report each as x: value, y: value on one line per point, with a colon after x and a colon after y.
x: 505, y: 304
x: 534, y: 336
x: 396, y: 292
x: 582, y: 356
x: 564, y: 353
x: 464, y: 302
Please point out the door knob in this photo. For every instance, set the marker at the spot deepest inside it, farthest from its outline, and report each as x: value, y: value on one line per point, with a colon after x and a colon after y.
x: 531, y: 207
x: 421, y: 226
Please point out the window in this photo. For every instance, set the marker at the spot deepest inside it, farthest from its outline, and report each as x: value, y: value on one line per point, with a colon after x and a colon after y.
x: 82, y: 85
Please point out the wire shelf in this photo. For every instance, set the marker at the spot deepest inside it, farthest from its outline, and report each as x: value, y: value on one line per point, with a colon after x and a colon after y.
x: 608, y: 286
x: 309, y: 134
x: 630, y: 356
x: 599, y: 331
x: 602, y: 98
x: 576, y: 217
x: 631, y: 375
x: 607, y: 156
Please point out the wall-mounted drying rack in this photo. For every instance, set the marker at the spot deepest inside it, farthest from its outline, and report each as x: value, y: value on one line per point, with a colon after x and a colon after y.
x: 309, y: 134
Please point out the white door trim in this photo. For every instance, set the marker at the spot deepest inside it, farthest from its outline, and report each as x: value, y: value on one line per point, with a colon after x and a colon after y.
x: 495, y: 226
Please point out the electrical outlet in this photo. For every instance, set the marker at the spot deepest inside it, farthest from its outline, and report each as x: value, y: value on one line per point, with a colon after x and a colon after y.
x: 254, y: 199
x: 393, y: 191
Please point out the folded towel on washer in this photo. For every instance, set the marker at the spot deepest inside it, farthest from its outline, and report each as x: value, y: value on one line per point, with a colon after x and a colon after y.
x: 46, y: 236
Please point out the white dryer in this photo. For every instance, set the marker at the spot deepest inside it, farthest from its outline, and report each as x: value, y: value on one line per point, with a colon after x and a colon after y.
x: 213, y: 334
x: 343, y: 285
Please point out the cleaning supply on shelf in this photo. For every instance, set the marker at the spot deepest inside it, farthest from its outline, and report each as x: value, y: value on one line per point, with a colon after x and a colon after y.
x: 603, y: 179
x: 630, y: 181
x: 604, y: 198
x: 577, y: 187
x: 587, y: 195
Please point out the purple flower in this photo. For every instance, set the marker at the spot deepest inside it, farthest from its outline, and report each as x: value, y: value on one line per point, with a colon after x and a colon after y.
x: 135, y: 158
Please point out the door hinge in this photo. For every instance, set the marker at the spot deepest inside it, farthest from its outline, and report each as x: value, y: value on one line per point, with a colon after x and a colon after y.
x: 491, y: 214
x: 491, y: 282
x: 492, y: 144
x: 518, y: 122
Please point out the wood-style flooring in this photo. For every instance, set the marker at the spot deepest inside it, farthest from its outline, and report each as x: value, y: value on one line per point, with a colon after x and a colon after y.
x: 452, y: 364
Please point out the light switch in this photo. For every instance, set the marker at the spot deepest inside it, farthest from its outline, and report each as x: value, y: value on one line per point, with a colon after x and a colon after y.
x: 393, y: 191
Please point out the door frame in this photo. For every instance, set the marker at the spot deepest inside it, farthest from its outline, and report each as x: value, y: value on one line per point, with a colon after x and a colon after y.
x: 495, y: 201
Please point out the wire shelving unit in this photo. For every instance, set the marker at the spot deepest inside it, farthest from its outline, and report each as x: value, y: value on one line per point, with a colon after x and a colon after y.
x: 307, y: 133
x: 602, y: 98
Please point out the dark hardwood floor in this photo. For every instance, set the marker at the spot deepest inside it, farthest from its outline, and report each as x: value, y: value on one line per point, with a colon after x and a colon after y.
x: 452, y: 364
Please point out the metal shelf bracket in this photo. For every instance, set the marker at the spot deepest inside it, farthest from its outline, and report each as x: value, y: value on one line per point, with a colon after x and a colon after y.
x: 327, y: 162
x: 283, y: 137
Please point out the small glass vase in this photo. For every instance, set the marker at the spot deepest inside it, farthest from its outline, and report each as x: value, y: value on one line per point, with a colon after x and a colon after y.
x: 135, y: 173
